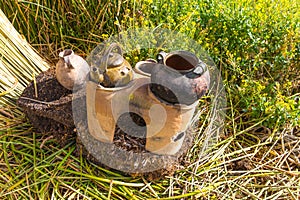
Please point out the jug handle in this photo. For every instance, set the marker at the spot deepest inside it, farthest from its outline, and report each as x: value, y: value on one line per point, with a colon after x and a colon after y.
x: 161, y: 57
x: 107, y: 52
x: 200, y: 68
x: 97, y: 72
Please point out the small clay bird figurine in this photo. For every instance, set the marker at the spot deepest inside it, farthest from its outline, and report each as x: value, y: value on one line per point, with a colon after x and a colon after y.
x: 71, y: 69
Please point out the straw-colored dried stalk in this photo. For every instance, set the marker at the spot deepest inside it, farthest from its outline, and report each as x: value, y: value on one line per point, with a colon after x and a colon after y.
x: 19, y: 62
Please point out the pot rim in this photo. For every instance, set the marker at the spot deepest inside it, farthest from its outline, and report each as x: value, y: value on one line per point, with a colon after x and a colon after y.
x: 138, y: 70
x: 182, y: 53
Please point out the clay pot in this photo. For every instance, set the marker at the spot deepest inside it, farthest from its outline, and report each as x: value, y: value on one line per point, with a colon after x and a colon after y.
x: 179, y: 77
x: 110, y: 69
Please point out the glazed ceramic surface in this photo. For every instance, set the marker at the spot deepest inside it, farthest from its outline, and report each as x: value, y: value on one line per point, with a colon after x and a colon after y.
x: 109, y: 68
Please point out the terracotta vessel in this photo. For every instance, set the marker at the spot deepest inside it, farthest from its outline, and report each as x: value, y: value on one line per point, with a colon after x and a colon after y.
x: 71, y: 70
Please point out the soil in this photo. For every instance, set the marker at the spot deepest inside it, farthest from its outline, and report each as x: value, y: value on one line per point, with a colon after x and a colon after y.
x: 124, y: 136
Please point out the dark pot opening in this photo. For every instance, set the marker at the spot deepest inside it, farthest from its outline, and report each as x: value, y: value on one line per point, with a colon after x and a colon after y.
x: 181, y: 62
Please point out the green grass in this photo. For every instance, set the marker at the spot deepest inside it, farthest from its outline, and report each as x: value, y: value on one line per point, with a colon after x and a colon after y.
x: 255, y: 44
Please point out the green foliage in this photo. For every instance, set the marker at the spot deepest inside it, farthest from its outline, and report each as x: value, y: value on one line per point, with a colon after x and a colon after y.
x: 255, y: 44
x: 55, y: 25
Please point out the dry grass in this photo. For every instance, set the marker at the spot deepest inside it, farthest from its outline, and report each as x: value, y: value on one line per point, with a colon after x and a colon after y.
x: 254, y: 158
